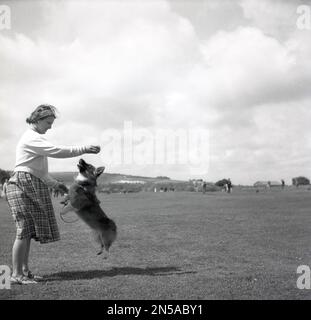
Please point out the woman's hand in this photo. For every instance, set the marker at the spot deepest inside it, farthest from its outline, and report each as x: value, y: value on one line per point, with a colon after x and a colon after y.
x: 92, y: 149
x: 61, y: 188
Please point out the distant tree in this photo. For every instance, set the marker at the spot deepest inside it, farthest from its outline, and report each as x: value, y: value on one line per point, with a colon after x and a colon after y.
x: 300, y: 181
x: 163, y: 178
x: 221, y: 183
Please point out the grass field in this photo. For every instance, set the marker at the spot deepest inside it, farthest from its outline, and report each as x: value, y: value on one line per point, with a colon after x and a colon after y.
x: 244, y: 245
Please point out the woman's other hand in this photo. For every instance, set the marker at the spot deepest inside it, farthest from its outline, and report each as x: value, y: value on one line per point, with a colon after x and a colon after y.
x: 61, y: 188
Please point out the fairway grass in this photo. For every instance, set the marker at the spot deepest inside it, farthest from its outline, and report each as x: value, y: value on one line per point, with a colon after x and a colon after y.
x: 176, y: 245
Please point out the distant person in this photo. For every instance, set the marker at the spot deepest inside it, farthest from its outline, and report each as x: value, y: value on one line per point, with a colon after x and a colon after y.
x: 4, y: 188
x: 204, y: 187
x: 229, y: 186
x: 28, y: 190
x: 224, y: 188
x: 283, y: 184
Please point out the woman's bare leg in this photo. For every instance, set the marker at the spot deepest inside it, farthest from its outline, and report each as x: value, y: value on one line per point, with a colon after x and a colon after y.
x: 18, y: 256
x: 25, y: 262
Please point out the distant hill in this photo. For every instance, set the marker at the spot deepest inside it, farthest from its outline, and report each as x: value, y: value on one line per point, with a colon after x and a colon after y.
x: 106, y: 178
x: 117, y: 182
x: 122, y: 183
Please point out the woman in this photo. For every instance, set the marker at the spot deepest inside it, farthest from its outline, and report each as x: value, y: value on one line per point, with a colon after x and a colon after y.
x: 28, y: 190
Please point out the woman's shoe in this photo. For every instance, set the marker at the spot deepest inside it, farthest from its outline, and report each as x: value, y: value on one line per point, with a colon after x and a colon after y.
x: 32, y: 276
x: 22, y: 280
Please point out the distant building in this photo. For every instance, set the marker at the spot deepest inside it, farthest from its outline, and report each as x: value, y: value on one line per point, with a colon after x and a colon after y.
x: 131, y: 181
x: 197, y: 182
x: 267, y: 184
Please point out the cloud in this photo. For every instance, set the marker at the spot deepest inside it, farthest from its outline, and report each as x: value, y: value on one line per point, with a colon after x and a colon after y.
x: 103, y: 63
x: 114, y: 60
x: 209, y: 17
x: 275, y: 18
x: 250, y: 68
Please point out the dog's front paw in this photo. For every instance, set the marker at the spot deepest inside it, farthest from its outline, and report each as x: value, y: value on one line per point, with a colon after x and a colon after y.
x: 65, y: 201
x: 66, y: 208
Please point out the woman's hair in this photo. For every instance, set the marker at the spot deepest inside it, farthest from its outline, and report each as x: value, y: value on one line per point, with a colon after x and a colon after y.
x: 41, y: 112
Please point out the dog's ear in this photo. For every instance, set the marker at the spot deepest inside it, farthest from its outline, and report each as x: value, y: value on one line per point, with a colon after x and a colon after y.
x: 99, y: 171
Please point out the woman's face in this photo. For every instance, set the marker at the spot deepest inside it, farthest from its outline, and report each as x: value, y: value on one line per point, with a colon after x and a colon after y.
x: 45, y: 124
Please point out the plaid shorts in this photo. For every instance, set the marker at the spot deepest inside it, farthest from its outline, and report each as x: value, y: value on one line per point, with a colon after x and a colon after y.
x: 31, y: 207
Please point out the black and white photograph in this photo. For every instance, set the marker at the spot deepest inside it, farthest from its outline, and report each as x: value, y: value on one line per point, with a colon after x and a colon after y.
x: 155, y: 150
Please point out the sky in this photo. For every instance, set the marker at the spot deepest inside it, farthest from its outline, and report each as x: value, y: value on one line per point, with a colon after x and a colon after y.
x: 231, y: 79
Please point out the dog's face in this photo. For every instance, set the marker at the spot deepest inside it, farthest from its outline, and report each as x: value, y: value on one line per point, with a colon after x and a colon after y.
x: 88, y: 173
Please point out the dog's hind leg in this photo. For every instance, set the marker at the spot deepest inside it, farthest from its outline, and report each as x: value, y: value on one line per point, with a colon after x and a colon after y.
x: 99, y: 240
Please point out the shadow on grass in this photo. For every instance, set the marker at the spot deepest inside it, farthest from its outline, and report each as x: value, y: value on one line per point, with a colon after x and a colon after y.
x: 95, y: 274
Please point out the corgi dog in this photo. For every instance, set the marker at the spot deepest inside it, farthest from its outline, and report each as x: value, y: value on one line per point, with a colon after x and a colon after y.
x: 82, y: 199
